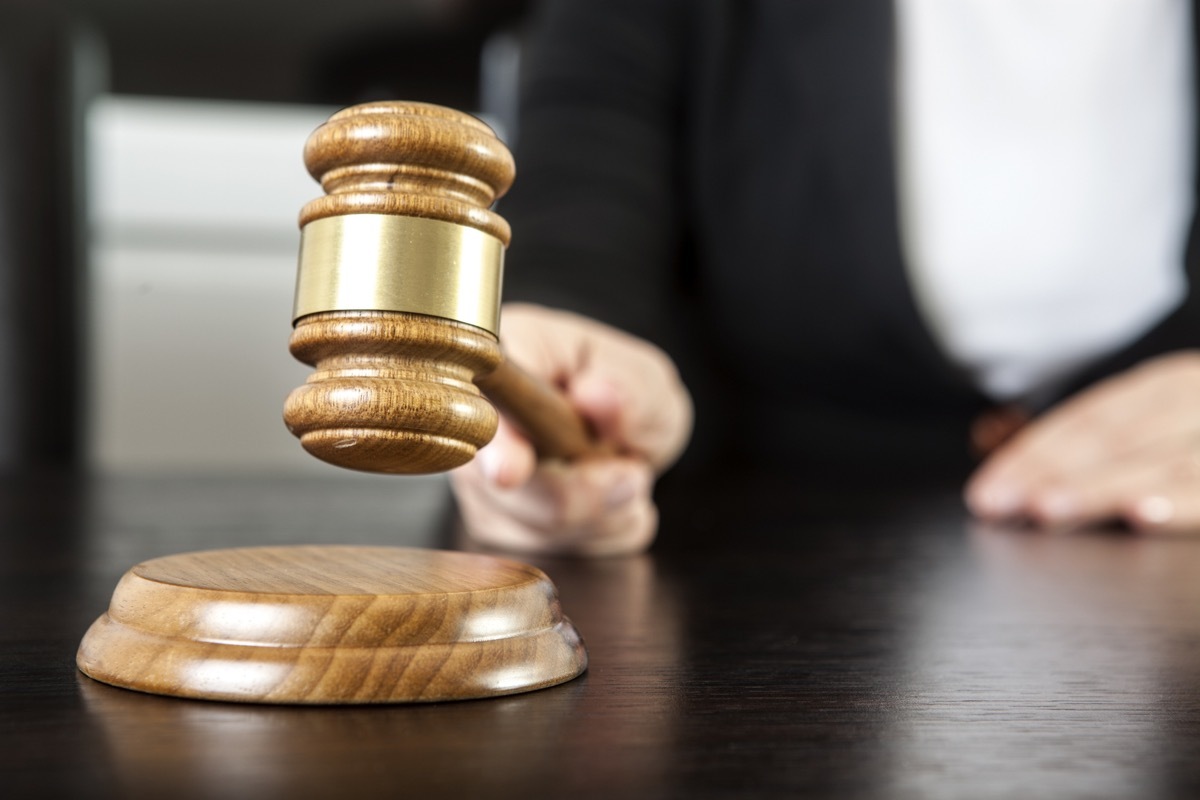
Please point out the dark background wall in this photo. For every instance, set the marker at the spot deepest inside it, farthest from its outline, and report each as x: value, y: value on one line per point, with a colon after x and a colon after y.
x: 325, y: 51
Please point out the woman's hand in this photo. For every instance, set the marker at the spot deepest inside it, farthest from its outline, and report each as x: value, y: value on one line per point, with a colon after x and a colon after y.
x: 629, y: 392
x: 1127, y: 448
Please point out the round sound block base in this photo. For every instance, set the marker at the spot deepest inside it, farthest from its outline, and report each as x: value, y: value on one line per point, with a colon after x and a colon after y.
x: 333, y: 624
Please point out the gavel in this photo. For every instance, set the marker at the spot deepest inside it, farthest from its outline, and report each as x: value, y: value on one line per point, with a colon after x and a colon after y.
x: 398, y: 298
x: 398, y: 308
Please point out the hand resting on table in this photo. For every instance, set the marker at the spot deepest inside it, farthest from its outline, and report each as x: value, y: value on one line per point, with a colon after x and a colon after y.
x: 1127, y: 448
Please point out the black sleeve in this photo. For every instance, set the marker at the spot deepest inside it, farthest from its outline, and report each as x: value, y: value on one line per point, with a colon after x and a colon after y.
x: 595, y: 207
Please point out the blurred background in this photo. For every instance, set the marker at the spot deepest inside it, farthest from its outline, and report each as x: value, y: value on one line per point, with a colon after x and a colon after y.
x: 150, y: 178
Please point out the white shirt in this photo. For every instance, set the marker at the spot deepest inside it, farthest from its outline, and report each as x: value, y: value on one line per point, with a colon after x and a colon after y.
x: 1046, y: 186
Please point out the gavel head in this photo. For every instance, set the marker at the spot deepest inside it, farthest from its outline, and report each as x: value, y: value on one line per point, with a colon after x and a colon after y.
x: 398, y: 288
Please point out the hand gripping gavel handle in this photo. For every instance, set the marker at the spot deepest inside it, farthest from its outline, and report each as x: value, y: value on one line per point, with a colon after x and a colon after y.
x: 542, y: 412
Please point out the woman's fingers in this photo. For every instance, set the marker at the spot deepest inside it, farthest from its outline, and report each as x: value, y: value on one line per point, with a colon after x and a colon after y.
x: 1129, y: 447
x: 628, y: 389
x: 1158, y: 491
x: 631, y: 395
x: 595, y: 507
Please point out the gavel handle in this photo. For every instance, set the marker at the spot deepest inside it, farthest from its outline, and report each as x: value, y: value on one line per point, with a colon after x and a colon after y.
x: 542, y: 412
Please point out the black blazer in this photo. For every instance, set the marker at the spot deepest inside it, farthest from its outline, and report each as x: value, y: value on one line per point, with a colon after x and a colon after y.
x: 718, y: 176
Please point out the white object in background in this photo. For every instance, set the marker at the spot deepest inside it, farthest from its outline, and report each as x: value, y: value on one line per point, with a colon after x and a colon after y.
x: 1045, y: 155
x: 194, y: 241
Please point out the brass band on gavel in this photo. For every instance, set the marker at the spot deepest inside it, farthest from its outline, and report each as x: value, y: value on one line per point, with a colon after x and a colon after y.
x: 382, y: 262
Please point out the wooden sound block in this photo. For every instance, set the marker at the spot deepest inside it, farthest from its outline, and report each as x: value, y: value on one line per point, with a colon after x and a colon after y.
x: 333, y: 624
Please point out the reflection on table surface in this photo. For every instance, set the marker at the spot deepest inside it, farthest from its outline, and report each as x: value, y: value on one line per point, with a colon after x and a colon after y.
x: 520, y: 744
x: 773, y: 643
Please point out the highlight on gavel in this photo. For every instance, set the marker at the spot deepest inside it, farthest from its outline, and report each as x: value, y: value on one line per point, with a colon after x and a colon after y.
x: 398, y: 298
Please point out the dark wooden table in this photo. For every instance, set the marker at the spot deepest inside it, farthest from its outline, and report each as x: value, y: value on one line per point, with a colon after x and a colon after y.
x: 777, y: 642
